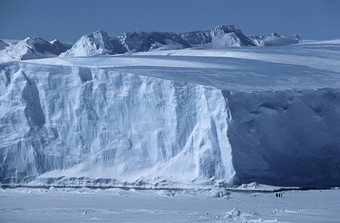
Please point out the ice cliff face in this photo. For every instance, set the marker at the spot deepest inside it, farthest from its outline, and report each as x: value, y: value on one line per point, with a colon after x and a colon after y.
x: 286, y: 137
x: 92, y: 126
x: 81, y: 122
x: 180, y: 118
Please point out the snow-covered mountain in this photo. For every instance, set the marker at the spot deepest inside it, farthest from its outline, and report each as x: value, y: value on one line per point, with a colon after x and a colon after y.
x: 197, y: 37
x: 31, y: 48
x: 145, y: 41
x: 97, y: 43
x: 228, y: 36
x: 275, y: 40
x: 219, y: 37
x: 100, y: 43
x: 177, y: 118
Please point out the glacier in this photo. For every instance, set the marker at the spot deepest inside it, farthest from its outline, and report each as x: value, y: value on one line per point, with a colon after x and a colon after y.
x: 176, y: 118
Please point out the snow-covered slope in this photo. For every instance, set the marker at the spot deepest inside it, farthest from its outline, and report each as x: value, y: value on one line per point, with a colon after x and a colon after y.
x: 190, y: 118
x: 62, y: 47
x: 3, y: 45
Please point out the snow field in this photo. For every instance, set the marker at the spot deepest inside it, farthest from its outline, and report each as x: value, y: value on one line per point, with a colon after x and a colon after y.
x: 86, y: 205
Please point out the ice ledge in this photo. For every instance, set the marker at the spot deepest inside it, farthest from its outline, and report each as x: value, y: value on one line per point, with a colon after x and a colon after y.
x: 300, y: 67
x: 274, y: 135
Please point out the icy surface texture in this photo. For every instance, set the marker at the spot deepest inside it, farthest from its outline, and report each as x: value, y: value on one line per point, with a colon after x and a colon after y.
x: 101, y: 124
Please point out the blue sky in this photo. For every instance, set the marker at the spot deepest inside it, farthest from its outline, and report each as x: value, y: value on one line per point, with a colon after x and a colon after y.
x: 67, y: 20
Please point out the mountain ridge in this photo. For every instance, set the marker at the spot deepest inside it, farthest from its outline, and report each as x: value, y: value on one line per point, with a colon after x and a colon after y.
x: 100, y: 43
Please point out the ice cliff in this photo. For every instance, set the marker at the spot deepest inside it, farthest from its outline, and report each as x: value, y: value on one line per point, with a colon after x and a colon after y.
x: 102, y: 124
x: 265, y: 115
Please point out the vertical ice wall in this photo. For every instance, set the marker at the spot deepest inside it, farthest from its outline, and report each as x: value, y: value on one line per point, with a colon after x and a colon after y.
x: 82, y: 122
x: 286, y: 138
x: 58, y: 121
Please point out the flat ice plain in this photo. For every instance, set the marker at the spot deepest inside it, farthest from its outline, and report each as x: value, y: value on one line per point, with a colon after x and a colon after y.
x: 116, y: 205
